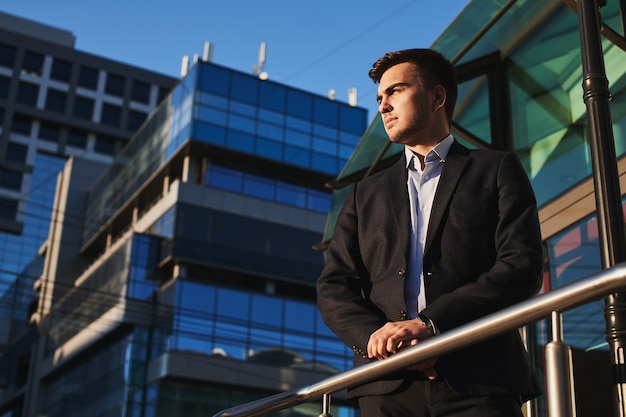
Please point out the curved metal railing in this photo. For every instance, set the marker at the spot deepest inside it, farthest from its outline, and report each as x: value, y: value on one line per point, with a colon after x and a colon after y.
x: 540, y: 307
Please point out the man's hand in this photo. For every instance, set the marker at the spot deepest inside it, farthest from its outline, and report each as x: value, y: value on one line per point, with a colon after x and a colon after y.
x: 394, y: 336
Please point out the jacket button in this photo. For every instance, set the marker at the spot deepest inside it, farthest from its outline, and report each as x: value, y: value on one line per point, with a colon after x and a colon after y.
x: 402, y: 272
x: 403, y: 315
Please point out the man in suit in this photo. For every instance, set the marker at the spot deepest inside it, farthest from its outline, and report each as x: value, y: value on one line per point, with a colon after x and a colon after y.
x: 441, y: 238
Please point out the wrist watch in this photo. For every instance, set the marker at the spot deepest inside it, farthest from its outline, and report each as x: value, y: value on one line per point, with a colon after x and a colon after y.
x: 428, y: 322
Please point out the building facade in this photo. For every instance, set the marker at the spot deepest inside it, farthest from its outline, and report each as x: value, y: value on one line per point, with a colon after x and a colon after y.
x: 178, y: 279
x: 55, y: 102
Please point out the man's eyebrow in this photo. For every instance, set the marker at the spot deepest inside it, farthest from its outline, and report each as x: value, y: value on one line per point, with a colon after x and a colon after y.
x: 390, y: 88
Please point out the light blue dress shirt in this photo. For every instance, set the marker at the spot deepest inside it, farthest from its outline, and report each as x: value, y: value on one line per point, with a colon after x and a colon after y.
x: 422, y: 185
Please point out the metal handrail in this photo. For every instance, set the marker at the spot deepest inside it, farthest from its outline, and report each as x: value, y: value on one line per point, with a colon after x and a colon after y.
x: 564, y: 298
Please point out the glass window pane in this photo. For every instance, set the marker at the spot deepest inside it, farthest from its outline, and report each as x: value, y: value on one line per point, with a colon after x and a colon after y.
x: 214, y: 80
x: 105, y: 145
x: 140, y: 92
x: 135, y: 119
x: 8, y: 208
x: 77, y: 138
x: 49, y: 131
x: 33, y: 63
x: 259, y: 187
x: 88, y: 78
x: 10, y: 179
x: 21, y: 124
x: 56, y: 100
x: 240, y: 141
x: 299, y: 104
x: 27, y: 93
x: 225, y: 179
x: 269, y: 149
x: 7, y: 55
x: 61, y: 70
x: 244, y: 88
x: 272, y: 96
x: 115, y: 85
x: 16, y: 152
x: 83, y: 107
x: 111, y: 115
x: 326, y: 112
x: 5, y: 83
x: 352, y: 119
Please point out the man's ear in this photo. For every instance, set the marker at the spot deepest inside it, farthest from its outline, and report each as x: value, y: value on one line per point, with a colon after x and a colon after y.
x: 440, y: 97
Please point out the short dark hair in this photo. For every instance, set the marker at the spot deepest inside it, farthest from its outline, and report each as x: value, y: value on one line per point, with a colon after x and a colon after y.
x: 432, y: 69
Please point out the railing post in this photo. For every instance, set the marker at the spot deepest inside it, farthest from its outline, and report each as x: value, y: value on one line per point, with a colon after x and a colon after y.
x: 326, y: 406
x: 559, y: 373
x: 608, y: 196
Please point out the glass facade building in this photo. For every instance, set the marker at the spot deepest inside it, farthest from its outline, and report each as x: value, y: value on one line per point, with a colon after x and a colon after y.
x: 180, y: 279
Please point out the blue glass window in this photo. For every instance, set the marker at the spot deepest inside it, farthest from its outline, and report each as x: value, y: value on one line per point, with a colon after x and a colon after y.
x: 259, y: 187
x: 269, y: 149
x: 209, y: 133
x: 298, y: 124
x: 244, y: 88
x: 212, y: 100
x: 299, y: 104
x: 270, y: 131
x: 325, y: 146
x: 324, y: 163
x: 240, y: 141
x: 271, y: 116
x: 319, y: 201
x: 214, y: 80
x: 291, y: 194
x: 242, y: 108
x: 352, y: 119
x: 272, y: 96
x: 325, y: 131
x: 297, y: 156
x: 212, y: 115
x: 224, y: 178
x: 297, y: 138
x: 242, y: 123
x: 326, y: 112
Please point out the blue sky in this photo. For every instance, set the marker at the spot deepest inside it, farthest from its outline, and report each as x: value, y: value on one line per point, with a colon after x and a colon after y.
x: 313, y: 45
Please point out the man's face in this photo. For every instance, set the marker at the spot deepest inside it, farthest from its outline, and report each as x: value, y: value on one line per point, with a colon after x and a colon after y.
x: 405, y: 107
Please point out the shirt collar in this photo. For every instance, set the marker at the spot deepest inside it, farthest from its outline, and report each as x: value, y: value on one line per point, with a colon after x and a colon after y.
x: 438, y: 153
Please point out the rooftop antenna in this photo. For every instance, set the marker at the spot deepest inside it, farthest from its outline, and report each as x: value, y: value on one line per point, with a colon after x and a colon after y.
x: 258, y: 69
x: 207, y: 55
x: 352, y: 97
x: 184, y: 65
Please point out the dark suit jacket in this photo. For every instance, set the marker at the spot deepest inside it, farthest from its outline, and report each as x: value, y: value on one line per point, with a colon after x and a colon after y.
x: 483, y: 253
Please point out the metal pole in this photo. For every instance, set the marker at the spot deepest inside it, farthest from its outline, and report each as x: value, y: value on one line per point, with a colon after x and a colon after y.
x: 606, y: 180
x: 559, y: 373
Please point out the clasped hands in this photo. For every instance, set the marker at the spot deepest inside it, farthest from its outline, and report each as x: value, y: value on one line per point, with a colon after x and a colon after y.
x: 395, y: 336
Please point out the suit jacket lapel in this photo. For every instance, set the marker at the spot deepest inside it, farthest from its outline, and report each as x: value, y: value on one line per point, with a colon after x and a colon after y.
x: 450, y: 174
x: 396, y: 191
